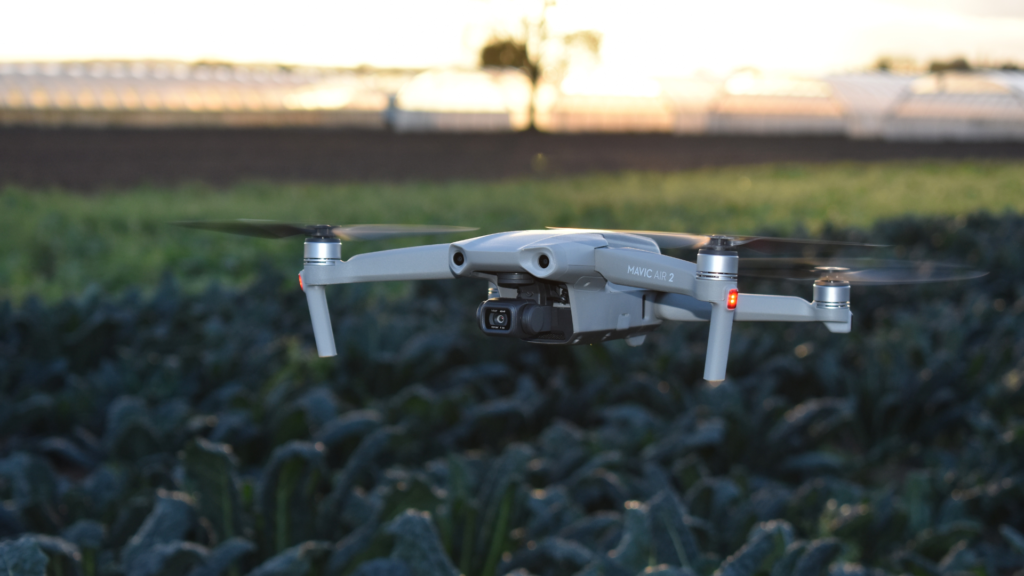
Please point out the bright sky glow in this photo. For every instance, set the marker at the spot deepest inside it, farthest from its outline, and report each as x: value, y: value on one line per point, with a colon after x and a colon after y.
x: 651, y: 37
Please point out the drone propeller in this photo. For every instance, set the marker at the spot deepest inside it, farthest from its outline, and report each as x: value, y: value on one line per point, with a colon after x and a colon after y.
x: 272, y: 229
x: 765, y: 244
x: 864, y: 271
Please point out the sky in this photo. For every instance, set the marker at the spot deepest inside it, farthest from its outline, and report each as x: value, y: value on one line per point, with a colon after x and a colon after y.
x: 651, y: 37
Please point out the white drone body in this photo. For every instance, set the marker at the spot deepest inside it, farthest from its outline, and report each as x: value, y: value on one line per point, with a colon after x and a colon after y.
x: 577, y: 287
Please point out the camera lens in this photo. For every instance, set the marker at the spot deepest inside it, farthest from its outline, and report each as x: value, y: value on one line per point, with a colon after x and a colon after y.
x: 498, y: 319
x: 544, y: 261
x: 458, y: 258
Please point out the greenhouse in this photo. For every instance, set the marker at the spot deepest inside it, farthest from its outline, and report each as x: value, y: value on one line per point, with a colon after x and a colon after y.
x: 959, y: 106
x: 174, y: 94
x: 494, y: 100
x: 867, y: 99
x: 951, y: 106
x: 598, y: 102
x: 750, y: 103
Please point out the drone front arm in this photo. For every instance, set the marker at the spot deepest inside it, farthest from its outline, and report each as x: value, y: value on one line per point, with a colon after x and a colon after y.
x: 415, y: 263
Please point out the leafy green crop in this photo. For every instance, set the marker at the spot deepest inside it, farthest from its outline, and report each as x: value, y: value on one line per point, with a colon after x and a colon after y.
x: 197, y: 433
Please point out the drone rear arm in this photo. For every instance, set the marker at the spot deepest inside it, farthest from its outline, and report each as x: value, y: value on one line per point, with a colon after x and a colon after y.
x: 711, y: 280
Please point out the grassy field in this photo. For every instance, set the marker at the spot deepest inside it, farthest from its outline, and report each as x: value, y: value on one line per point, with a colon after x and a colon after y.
x: 59, y: 243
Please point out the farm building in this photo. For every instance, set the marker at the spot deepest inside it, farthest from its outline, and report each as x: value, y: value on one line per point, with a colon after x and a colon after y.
x: 490, y: 100
x: 946, y: 106
x: 866, y: 100
x: 958, y: 106
x: 691, y: 100
x: 750, y: 103
x: 157, y: 94
x: 603, y: 103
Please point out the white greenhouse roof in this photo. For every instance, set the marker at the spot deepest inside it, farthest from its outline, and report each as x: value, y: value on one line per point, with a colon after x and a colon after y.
x: 868, y: 93
x: 494, y: 91
x: 157, y: 93
x: 951, y: 105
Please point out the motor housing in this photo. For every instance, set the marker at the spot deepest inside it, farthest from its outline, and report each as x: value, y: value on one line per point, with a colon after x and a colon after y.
x: 831, y: 293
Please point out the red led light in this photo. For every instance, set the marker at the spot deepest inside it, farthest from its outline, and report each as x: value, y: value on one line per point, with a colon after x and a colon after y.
x: 301, y: 285
x: 733, y: 299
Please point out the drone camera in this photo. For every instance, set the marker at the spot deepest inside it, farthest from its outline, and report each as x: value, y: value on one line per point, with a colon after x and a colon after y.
x: 499, y: 319
x: 502, y: 316
x: 524, y: 319
x: 459, y: 259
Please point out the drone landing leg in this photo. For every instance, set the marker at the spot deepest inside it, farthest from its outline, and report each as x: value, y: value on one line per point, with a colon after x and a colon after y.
x: 316, y: 297
x: 718, y: 342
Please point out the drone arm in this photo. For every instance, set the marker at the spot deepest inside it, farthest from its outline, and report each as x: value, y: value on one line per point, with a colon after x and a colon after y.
x: 679, y: 308
x: 765, y: 308
x: 754, y: 308
x: 418, y: 263
x: 666, y: 274
x: 415, y: 263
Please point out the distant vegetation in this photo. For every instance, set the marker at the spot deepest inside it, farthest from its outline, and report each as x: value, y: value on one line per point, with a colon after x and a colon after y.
x: 56, y: 244
x: 958, y: 64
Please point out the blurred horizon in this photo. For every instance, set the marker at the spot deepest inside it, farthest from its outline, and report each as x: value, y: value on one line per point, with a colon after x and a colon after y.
x: 653, y: 39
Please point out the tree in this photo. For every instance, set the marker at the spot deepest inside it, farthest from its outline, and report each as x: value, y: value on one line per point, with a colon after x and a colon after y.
x: 538, y: 53
x: 954, y: 65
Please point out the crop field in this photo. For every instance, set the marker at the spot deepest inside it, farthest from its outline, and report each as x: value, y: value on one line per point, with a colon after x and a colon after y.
x: 162, y: 410
x: 57, y: 244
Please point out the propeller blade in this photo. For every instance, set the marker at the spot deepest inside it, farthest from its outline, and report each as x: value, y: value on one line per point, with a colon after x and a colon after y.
x: 381, y: 231
x: 770, y: 245
x: 272, y: 229
x: 664, y: 240
x: 765, y: 244
x: 864, y: 271
x: 256, y: 228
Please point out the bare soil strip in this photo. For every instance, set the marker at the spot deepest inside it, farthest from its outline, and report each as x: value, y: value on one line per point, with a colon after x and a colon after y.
x: 85, y: 160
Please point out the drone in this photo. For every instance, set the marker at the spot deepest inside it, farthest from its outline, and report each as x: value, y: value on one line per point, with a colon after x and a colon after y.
x: 572, y: 286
